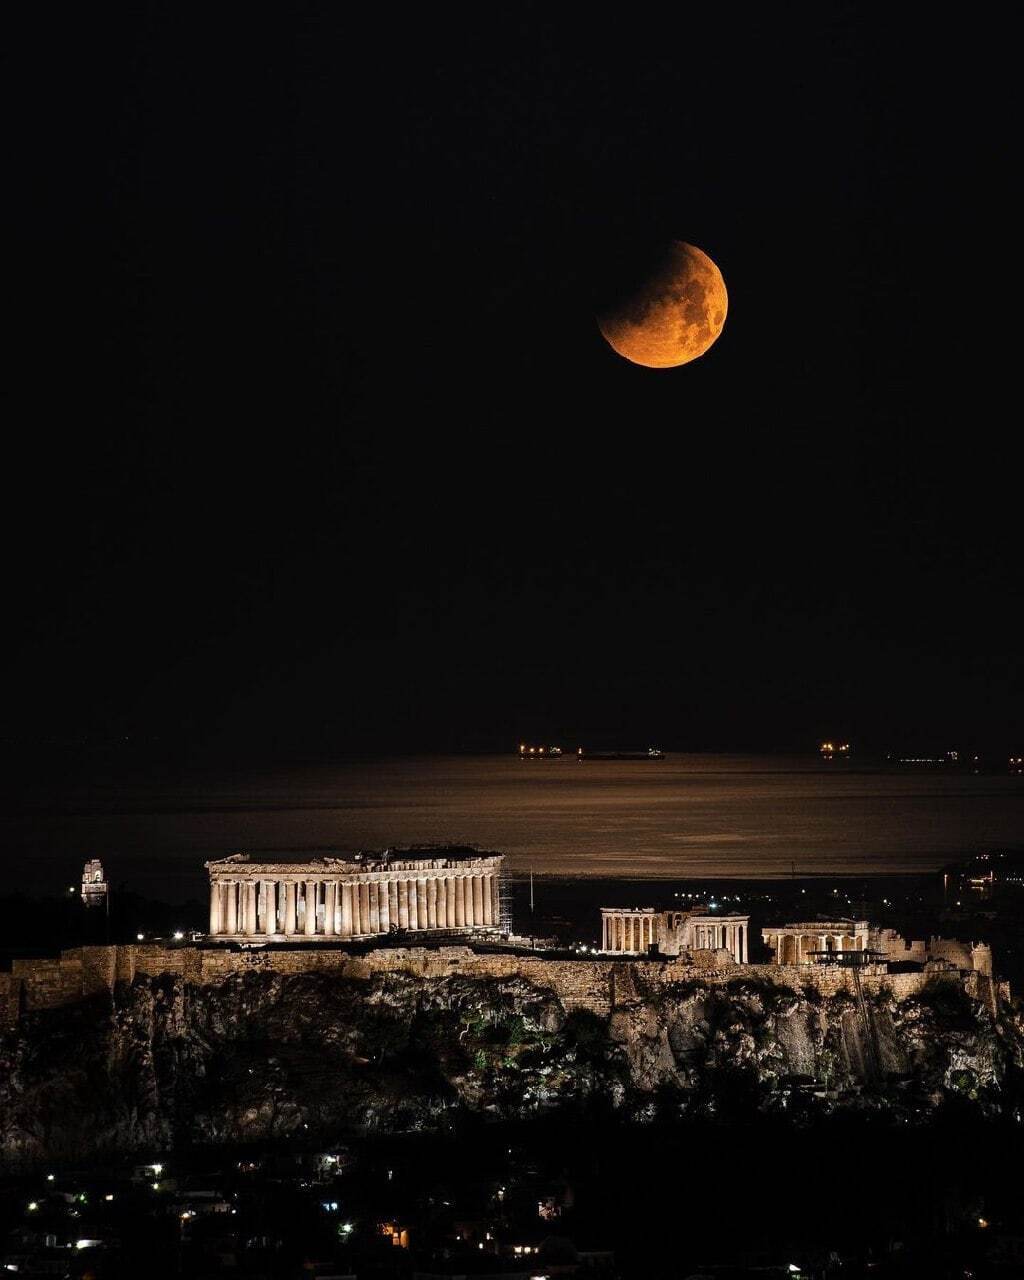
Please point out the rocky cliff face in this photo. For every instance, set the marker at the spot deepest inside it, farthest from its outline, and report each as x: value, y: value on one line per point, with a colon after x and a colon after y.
x: 264, y: 1056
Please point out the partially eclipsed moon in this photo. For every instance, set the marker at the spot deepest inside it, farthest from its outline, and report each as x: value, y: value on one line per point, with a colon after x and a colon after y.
x: 674, y: 315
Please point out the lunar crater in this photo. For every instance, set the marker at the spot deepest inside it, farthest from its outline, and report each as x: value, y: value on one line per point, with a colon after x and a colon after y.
x: 674, y: 315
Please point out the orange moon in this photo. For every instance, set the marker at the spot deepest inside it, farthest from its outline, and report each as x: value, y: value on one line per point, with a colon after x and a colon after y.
x: 674, y: 315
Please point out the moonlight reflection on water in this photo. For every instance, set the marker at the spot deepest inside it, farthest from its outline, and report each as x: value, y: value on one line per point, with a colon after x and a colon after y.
x: 685, y: 816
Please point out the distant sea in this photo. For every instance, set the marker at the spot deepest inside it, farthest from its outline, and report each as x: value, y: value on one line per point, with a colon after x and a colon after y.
x: 686, y: 816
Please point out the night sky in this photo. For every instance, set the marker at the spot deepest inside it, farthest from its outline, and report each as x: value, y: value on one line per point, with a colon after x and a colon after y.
x: 315, y: 447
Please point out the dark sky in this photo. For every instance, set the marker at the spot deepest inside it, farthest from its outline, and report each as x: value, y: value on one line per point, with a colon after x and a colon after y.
x: 315, y: 446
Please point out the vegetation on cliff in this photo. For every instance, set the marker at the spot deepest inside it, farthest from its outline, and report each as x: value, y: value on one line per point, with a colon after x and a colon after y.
x: 265, y: 1057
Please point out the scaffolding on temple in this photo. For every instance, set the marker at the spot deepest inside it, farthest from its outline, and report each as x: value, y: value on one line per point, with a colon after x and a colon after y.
x: 506, y: 914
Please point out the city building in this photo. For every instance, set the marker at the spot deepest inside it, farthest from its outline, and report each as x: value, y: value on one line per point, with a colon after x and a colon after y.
x: 994, y: 874
x: 362, y: 896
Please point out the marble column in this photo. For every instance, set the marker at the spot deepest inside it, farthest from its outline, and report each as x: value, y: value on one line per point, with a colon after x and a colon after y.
x: 231, y: 921
x: 442, y: 902
x: 460, y: 902
x: 215, y: 916
x: 250, y: 907
x: 384, y: 904
x: 309, y: 901
x: 289, y: 909
x: 346, y: 909
x: 743, y: 932
x: 421, y: 903
x: 392, y: 904
x: 403, y: 904
x: 330, y: 907
x: 375, y: 906
x: 478, y: 911
x: 431, y: 888
x: 488, y: 896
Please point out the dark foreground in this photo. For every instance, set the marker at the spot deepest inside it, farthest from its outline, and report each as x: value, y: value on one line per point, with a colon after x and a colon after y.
x: 581, y: 1196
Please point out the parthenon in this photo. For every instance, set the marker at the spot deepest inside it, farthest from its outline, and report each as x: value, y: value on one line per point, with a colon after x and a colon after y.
x: 361, y: 897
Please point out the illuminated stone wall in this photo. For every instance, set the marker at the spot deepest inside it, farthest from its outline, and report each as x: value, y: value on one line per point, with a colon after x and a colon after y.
x: 598, y: 984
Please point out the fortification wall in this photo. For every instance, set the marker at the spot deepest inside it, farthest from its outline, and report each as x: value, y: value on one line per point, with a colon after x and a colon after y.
x: 964, y: 955
x: 597, y: 984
